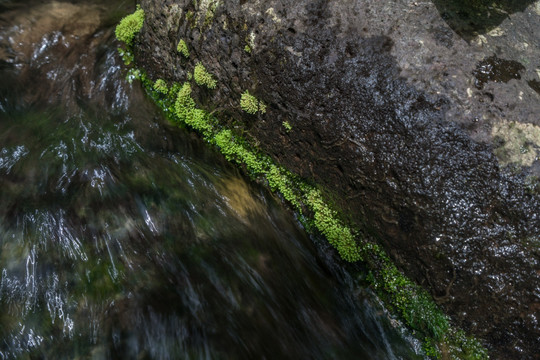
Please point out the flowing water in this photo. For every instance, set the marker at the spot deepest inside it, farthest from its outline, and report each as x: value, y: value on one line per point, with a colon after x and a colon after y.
x: 123, y: 237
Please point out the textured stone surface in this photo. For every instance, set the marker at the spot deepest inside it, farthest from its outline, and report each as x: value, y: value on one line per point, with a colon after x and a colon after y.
x: 385, y: 113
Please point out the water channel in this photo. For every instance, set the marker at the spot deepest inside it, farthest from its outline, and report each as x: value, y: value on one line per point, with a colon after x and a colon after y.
x: 122, y: 236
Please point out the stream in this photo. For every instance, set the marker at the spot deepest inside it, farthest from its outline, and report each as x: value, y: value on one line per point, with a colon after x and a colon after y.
x: 122, y: 236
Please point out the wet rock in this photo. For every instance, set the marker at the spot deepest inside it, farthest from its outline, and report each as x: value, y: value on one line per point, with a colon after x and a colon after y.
x: 383, y: 112
x: 498, y: 70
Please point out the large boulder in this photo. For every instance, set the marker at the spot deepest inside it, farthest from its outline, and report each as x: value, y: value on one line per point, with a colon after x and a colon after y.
x: 427, y: 138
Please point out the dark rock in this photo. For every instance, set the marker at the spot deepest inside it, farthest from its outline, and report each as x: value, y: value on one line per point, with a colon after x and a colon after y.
x: 498, y: 70
x: 469, y: 18
x: 383, y: 116
x: 535, y: 85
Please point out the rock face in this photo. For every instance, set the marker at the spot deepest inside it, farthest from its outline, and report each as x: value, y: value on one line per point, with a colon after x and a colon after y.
x: 386, y: 113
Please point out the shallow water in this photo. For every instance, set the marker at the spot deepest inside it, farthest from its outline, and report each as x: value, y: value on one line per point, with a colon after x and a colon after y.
x: 123, y: 237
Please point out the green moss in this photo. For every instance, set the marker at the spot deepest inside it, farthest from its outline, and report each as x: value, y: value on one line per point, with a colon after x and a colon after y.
x: 187, y: 113
x: 126, y: 55
x: 287, y: 126
x: 247, y: 49
x: 129, y: 26
x: 182, y: 48
x: 161, y: 86
x: 250, y: 104
x: 203, y: 77
x: 184, y: 103
x: 281, y: 180
x: 326, y: 221
x: 411, y: 301
x: 133, y: 74
x: 460, y: 346
x: 235, y: 149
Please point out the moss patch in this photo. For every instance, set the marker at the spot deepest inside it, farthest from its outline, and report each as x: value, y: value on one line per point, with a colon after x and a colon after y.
x: 203, y: 77
x: 287, y: 126
x: 411, y: 302
x: 129, y: 26
x: 250, y: 104
x: 182, y: 48
x: 161, y: 86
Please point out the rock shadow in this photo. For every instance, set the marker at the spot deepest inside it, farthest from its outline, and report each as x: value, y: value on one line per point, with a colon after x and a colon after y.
x: 469, y: 18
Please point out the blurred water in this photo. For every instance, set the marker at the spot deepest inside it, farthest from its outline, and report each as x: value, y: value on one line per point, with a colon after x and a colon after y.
x: 123, y: 237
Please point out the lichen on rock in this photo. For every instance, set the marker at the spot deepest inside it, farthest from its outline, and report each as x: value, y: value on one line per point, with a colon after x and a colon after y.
x: 519, y: 143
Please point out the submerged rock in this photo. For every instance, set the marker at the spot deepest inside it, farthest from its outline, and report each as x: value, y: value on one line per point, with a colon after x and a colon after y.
x: 377, y: 102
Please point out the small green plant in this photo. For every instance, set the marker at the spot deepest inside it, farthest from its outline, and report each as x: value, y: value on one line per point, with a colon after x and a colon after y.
x: 247, y: 49
x: 182, y: 48
x: 280, y: 180
x: 129, y: 26
x: 326, y: 221
x: 133, y: 74
x: 184, y: 103
x: 287, y: 126
x: 187, y: 112
x: 237, y: 151
x: 462, y: 346
x: 203, y: 77
x: 161, y: 86
x: 250, y: 104
x: 127, y: 56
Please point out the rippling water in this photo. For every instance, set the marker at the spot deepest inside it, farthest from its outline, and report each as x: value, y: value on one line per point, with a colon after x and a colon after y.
x: 122, y: 237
